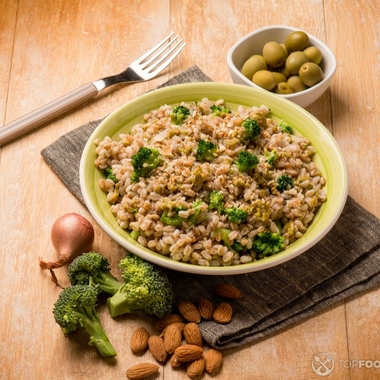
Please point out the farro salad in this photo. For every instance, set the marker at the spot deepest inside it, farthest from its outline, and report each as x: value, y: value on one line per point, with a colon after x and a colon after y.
x: 204, y: 184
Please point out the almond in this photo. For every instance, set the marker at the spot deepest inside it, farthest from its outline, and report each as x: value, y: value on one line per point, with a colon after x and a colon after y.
x: 139, y: 340
x: 195, y: 368
x: 189, y: 311
x: 179, y: 325
x: 192, y: 334
x: 174, y: 362
x: 206, y: 308
x: 223, y: 313
x: 188, y: 352
x: 213, y: 359
x: 228, y: 291
x: 157, y: 348
x: 169, y: 319
x: 142, y: 370
x: 172, y: 338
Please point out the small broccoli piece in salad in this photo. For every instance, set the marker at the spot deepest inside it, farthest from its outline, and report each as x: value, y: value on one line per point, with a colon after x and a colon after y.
x: 252, y: 128
x: 205, y: 150
x: 144, y: 161
x: 284, y: 182
x: 179, y: 114
x: 285, y: 127
x: 221, y: 111
x: 246, y: 161
x: 268, y: 243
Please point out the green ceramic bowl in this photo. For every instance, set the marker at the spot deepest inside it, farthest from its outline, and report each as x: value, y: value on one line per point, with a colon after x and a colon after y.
x: 329, y: 158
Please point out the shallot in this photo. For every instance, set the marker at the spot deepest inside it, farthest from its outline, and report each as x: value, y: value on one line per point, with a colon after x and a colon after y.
x: 71, y: 235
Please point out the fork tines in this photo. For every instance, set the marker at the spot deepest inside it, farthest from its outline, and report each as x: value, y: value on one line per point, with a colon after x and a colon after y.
x: 160, y: 56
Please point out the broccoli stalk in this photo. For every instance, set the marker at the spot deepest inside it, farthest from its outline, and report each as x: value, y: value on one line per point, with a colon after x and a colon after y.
x: 76, y: 305
x: 252, y: 128
x: 268, y: 243
x: 92, y: 268
x: 246, y: 161
x: 179, y: 114
x: 146, y: 288
x: 144, y: 161
x: 205, y: 150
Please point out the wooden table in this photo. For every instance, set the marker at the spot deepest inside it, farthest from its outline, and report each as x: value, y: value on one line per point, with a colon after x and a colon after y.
x: 49, y: 48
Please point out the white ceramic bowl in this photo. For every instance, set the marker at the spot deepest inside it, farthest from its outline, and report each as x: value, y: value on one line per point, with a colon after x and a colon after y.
x: 254, y: 42
x: 328, y: 157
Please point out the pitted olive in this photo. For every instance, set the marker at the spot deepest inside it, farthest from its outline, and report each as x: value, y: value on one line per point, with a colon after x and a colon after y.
x: 264, y: 79
x: 297, y: 41
x: 295, y: 61
x: 310, y: 74
x: 274, y: 54
x: 252, y: 64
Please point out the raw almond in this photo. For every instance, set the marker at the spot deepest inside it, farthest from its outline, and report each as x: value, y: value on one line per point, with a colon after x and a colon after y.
x: 172, y: 338
x: 228, y: 291
x: 189, y: 311
x: 142, y: 370
x: 206, y: 308
x: 223, y: 313
x: 179, y: 325
x: 213, y: 359
x: 195, y: 368
x: 169, y: 319
x: 192, y: 334
x: 174, y: 362
x: 139, y: 340
x: 157, y: 348
x: 188, y: 352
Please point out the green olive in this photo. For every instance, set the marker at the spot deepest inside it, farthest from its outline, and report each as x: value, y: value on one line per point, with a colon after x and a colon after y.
x: 284, y: 71
x: 286, y: 50
x: 297, y: 41
x: 252, y: 64
x: 314, y: 54
x: 274, y: 54
x: 310, y: 74
x: 264, y: 79
x: 295, y: 61
x: 279, y: 77
x: 296, y: 84
x: 282, y: 88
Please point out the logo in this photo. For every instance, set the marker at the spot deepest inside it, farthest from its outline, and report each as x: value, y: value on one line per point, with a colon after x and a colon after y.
x: 323, y: 364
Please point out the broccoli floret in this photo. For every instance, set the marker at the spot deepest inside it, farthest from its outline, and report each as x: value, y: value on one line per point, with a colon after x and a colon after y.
x: 221, y: 111
x: 179, y: 114
x: 246, y: 161
x: 171, y: 217
x: 252, y: 128
x: 216, y: 201
x: 285, y: 127
x: 284, y: 181
x: 144, y: 161
x: 92, y: 268
x: 268, y: 243
x: 109, y: 174
x: 271, y: 157
x: 76, y: 305
x: 205, y: 150
x: 146, y: 288
x: 236, y: 215
x: 237, y: 247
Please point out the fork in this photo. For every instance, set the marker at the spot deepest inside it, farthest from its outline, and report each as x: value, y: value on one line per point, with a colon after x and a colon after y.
x: 146, y: 67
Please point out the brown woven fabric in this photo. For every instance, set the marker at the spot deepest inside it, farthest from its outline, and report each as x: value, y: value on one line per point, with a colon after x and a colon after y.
x: 344, y: 263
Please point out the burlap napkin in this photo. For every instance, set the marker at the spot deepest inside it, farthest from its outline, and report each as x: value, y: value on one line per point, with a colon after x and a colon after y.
x: 345, y: 262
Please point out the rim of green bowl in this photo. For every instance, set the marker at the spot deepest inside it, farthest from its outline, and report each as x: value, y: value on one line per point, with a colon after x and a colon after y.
x: 328, y: 157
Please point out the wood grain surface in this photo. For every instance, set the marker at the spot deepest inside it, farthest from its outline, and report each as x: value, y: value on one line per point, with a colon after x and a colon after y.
x: 48, y: 48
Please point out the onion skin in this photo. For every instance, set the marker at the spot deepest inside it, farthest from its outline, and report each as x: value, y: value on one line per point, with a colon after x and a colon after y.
x: 71, y: 235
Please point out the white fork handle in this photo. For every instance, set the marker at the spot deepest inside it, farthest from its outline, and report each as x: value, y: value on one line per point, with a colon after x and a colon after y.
x: 41, y: 115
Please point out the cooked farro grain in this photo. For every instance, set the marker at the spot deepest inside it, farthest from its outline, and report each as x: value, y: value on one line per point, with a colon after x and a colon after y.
x: 168, y: 192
